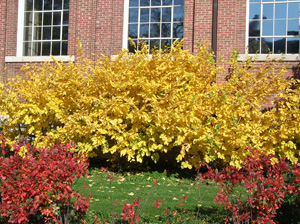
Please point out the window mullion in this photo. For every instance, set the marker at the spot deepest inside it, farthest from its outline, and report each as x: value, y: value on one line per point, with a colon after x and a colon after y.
x: 138, y: 31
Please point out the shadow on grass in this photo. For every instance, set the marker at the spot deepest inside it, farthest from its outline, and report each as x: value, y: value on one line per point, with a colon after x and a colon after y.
x: 289, y: 212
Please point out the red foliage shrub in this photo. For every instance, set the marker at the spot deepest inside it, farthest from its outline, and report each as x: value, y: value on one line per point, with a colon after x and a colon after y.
x: 129, y: 211
x: 38, y: 181
x: 264, y: 183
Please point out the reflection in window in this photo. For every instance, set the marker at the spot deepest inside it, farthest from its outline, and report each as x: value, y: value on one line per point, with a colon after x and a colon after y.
x: 157, y: 22
x: 273, y: 26
x: 45, y: 27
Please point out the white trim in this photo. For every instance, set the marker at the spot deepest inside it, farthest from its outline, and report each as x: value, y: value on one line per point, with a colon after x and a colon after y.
x: 247, y: 25
x: 264, y: 57
x: 38, y: 58
x: 21, y: 5
x: 125, y: 24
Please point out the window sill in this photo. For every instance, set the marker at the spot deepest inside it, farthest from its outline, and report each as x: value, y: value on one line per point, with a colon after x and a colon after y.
x: 264, y: 57
x: 38, y: 58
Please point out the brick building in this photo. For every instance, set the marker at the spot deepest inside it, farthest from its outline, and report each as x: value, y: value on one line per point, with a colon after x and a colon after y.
x: 31, y: 30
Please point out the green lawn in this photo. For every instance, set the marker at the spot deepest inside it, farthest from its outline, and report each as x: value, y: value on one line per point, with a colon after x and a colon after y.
x: 127, y: 187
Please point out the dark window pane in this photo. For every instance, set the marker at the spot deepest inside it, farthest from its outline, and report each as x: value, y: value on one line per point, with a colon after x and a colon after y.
x: 144, y: 30
x: 253, y: 46
x: 134, y: 3
x: 155, y: 30
x: 267, y: 29
x: 166, y: 30
x: 38, y: 5
x: 38, y: 18
x: 154, y: 44
x: 65, y: 33
x: 293, y: 11
x: 47, y: 18
x: 133, y: 15
x: 166, y: 14
x: 178, y: 2
x: 28, y: 19
x: 155, y: 2
x: 254, y: 29
x: 178, y: 30
x: 131, y: 47
x: 47, y: 4
x: 165, y: 44
x: 167, y: 2
x: 293, y: 27
x: 27, y: 33
x: 280, y: 11
x: 254, y: 11
x: 145, y: 2
x: 65, y: 17
x: 56, y: 18
x: 66, y: 4
x: 178, y: 13
x: 279, y: 45
x: 155, y: 14
x: 47, y: 33
x: 254, y: 0
x: 28, y: 5
x: 57, y: 4
x: 293, y: 45
x: 133, y: 30
x: 36, y: 48
x: 27, y: 49
x: 46, y: 48
x: 64, y: 49
x: 280, y: 27
x: 37, y: 33
x: 144, y: 17
x: 268, y: 11
x: 56, y: 48
x: 56, y: 33
x: 266, y: 45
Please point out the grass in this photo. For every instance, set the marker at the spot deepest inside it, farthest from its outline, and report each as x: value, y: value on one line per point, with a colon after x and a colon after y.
x: 109, y: 195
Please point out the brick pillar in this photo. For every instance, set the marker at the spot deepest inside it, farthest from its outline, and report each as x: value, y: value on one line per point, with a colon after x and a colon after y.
x: 197, y: 22
x: 2, y: 36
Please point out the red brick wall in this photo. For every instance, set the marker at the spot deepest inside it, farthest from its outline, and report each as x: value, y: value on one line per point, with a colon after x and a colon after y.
x: 99, y: 26
x: 2, y: 33
x: 11, y: 27
x: 231, y: 27
x: 197, y: 22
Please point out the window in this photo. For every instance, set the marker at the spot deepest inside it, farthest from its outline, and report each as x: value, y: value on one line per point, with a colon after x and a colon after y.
x: 157, y: 22
x: 44, y: 27
x: 273, y: 26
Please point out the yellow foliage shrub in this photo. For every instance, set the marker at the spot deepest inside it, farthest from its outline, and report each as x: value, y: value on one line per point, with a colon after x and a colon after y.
x: 136, y: 105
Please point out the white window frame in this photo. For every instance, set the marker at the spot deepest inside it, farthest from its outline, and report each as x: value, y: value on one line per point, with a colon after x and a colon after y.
x: 126, y: 25
x: 263, y: 56
x: 19, y: 51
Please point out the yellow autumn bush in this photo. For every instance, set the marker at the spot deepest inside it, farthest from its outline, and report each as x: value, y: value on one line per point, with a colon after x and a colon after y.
x: 136, y: 106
